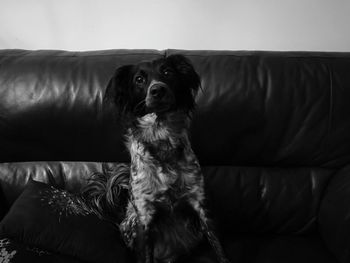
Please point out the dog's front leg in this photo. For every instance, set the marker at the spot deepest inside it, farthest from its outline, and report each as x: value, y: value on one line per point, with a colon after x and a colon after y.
x: 143, y: 246
x: 209, y: 232
x: 146, y: 245
x: 215, y: 243
x: 135, y: 233
x: 149, y: 252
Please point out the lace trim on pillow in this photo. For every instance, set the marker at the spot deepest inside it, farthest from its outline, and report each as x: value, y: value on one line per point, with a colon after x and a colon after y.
x: 64, y: 203
x: 6, y: 254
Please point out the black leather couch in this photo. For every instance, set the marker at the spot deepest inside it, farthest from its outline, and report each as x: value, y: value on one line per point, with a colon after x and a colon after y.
x: 271, y: 131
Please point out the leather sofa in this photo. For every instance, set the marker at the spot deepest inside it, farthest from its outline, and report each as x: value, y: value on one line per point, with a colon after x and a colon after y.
x: 271, y: 131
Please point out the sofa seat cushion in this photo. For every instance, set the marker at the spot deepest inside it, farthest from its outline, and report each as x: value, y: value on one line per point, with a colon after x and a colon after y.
x: 52, y: 219
x: 265, y: 200
x: 279, y: 249
x: 268, y: 249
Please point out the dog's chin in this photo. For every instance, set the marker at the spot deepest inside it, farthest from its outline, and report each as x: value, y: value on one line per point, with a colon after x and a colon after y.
x: 158, y: 108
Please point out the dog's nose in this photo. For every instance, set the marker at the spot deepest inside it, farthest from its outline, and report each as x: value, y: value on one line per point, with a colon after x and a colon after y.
x: 157, y: 91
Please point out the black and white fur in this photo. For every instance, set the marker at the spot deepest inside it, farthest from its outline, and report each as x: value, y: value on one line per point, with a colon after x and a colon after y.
x: 165, y: 216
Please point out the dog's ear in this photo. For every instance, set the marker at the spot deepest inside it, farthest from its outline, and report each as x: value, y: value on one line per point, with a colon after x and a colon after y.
x: 190, y: 82
x: 184, y: 66
x: 117, y: 92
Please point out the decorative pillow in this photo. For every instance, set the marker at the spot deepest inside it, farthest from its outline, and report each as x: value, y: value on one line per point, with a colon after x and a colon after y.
x: 55, y: 220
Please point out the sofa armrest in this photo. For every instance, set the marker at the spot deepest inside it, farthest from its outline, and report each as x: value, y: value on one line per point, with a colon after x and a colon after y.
x: 334, y: 215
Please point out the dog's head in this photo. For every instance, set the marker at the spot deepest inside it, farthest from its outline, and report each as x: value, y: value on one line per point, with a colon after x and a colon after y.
x: 159, y: 86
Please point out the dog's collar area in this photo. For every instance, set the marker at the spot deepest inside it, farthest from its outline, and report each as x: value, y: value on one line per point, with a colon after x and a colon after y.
x: 150, y: 117
x: 177, y: 117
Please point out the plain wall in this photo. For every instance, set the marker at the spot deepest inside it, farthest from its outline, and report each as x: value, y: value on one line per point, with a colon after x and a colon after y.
x: 309, y: 25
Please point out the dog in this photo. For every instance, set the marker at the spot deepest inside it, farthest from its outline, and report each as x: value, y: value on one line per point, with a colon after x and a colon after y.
x: 165, y: 216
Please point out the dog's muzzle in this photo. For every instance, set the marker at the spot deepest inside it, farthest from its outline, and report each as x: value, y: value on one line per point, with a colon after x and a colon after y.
x: 159, y: 97
x: 157, y: 91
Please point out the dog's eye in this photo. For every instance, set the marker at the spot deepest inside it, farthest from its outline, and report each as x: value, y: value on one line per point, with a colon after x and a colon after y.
x: 167, y: 72
x: 140, y: 80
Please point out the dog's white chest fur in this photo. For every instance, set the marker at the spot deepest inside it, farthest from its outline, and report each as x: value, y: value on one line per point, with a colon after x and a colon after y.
x: 143, y: 148
x: 162, y: 160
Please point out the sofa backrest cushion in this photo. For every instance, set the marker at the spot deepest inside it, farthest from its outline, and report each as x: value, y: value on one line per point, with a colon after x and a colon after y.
x: 255, y: 108
x: 51, y: 105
